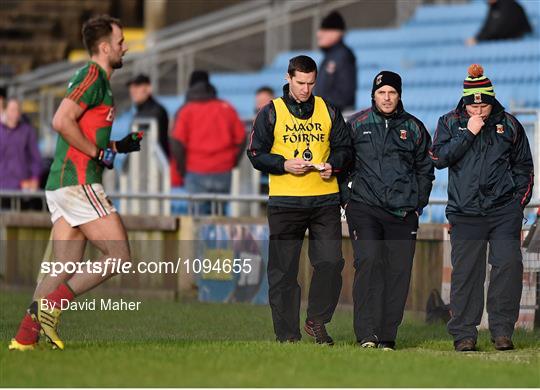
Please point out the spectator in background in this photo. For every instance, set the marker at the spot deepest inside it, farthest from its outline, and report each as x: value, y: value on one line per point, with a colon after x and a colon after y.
x: 207, y: 140
x: 20, y: 161
x: 3, y: 95
x: 506, y: 19
x: 263, y: 96
x: 140, y: 91
x: 336, y: 82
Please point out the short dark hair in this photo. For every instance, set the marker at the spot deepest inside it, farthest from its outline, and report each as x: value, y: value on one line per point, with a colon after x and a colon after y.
x: 199, y: 76
x: 140, y: 79
x: 97, y: 28
x: 302, y: 64
x: 264, y: 88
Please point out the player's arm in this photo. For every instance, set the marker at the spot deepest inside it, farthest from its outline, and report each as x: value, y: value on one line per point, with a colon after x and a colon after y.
x: 65, y: 123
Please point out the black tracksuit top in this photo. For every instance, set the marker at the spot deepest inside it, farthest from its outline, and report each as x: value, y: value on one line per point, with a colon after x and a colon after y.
x: 486, y: 171
x: 392, y: 168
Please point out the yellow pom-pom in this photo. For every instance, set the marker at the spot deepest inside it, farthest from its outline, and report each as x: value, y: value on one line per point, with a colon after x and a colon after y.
x: 475, y: 70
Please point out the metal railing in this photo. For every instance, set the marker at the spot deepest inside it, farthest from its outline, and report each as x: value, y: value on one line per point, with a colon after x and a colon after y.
x: 217, y: 201
x: 146, y: 171
x: 142, y: 185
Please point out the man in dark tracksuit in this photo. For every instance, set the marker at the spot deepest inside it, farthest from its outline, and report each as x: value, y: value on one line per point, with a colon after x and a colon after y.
x: 302, y: 142
x: 140, y: 91
x: 489, y: 183
x: 336, y: 83
x: 385, y: 193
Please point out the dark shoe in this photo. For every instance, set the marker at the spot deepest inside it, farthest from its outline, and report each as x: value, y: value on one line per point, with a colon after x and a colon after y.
x: 369, y: 342
x: 387, y: 345
x: 318, y: 331
x: 291, y: 340
x: 465, y: 345
x: 503, y: 343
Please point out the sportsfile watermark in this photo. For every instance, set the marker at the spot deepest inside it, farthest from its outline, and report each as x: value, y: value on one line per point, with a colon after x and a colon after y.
x: 113, y: 265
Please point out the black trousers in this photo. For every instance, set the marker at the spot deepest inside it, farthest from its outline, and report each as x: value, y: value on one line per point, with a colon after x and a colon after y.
x: 384, y: 246
x: 469, y: 237
x: 287, y: 230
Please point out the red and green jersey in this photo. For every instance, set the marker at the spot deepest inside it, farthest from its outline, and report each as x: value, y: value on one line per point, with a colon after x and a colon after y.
x: 90, y: 89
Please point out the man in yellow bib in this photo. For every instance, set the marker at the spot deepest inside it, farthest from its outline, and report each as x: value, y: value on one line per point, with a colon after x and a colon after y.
x: 302, y: 142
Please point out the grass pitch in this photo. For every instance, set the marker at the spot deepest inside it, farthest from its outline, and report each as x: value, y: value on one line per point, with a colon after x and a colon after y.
x: 170, y: 344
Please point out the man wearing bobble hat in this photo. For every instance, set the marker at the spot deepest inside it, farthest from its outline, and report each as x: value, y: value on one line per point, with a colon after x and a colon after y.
x: 490, y: 182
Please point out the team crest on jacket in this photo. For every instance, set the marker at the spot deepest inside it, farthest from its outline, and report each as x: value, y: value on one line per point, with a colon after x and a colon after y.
x: 500, y: 129
x: 331, y: 67
x: 403, y: 134
x: 478, y: 97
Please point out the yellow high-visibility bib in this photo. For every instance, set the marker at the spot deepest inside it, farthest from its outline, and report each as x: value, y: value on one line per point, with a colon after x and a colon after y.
x: 291, y: 134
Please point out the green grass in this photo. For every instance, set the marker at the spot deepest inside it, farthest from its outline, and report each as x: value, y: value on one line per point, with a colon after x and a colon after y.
x: 169, y: 344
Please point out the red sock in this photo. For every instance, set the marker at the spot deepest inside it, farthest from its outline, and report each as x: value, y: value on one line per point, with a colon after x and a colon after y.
x: 28, y: 332
x: 62, y: 292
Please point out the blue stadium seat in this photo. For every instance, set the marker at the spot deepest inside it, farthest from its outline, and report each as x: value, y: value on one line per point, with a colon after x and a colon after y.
x: 233, y: 83
x: 447, y: 75
x: 409, y: 36
x: 453, y: 14
x: 429, y: 53
x: 281, y: 62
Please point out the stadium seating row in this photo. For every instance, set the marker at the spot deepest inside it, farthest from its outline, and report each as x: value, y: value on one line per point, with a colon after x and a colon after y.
x: 525, y: 72
x: 429, y: 52
x: 463, y: 13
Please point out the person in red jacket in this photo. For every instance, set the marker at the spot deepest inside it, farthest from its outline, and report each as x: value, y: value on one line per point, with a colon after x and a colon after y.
x: 208, y: 139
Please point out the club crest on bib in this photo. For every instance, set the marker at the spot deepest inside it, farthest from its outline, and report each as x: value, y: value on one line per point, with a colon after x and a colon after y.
x: 403, y: 134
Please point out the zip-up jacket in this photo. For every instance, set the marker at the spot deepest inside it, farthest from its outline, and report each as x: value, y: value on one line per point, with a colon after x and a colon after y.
x: 392, y: 168
x: 486, y: 171
x: 262, y: 139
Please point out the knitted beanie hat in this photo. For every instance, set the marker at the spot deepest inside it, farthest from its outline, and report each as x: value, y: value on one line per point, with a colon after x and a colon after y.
x: 386, y: 77
x: 477, y: 88
x: 198, y: 76
x: 333, y: 21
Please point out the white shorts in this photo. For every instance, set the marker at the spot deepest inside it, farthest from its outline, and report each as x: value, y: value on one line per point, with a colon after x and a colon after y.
x: 79, y: 204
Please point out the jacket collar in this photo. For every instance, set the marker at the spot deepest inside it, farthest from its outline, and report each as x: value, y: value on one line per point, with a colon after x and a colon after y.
x: 146, y: 104
x: 302, y: 110
x: 335, y: 47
